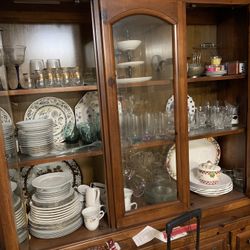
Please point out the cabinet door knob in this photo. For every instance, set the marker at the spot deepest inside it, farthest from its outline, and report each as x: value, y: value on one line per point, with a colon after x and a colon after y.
x: 248, y: 241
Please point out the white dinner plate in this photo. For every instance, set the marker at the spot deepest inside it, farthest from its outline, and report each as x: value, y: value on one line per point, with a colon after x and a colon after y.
x: 132, y: 80
x: 50, y: 234
x: 55, y: 208
x: 67, y: 215
x: 224, y: 181
x: 55, y: 109
x: 200, y: 151
x: 129, y: 64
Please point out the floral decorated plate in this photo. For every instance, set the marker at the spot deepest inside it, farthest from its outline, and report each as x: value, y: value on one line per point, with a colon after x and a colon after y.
x: 191, y: 105
x: 200, y: 151
x: 87, y: 108
x: 57, y: 110
x: 5, y: 117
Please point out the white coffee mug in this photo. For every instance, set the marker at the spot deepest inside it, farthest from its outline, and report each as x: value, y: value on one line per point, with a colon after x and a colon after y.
x: 92, y: 197
x: 130, y: 205
x: 127, y: 200
x: 128, y: 193
x: 92, y: 216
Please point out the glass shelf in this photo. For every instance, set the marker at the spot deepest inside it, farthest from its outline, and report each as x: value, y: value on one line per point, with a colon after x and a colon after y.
x: 61, y: 152
x: 211, y: 132
x: 145, y: 84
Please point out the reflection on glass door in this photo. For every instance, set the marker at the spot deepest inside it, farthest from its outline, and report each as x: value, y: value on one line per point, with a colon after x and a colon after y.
x: 144, y: 76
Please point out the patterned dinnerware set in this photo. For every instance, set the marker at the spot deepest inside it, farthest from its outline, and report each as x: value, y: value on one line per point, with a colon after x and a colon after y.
x: 55, y: 208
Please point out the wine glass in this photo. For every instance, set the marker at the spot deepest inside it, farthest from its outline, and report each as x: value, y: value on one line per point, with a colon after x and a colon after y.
x: 15, y: 55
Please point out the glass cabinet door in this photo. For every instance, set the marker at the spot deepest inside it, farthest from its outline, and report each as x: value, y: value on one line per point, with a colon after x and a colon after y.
x: 144, y: 75
x: 140, y: 54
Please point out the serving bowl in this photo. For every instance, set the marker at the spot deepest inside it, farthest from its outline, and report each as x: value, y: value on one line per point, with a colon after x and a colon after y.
x: 195, y: 70
x: 128, y: 45
x: 159, y: 193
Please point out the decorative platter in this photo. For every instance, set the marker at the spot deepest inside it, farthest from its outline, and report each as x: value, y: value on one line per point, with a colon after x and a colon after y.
x: 57, y: 110
x: 191, y: 105
x: 5, y: 117
x: 87, y: 108
x: 200, y: 151
x: 30, y: 173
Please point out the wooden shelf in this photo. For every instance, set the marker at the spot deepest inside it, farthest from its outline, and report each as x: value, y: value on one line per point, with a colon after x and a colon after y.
x: 18, y: 92
x: 68, y: 154
x: 198, y: 201
x: 145, y: 84
x: 219, y: 78
x: 80, y: 235
x: 210, y: 132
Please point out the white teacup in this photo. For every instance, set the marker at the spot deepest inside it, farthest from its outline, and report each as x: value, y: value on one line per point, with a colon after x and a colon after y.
x: 92, y: 216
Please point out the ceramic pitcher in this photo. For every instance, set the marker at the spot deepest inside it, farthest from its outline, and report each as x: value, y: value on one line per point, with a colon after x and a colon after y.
x: 92, y: 197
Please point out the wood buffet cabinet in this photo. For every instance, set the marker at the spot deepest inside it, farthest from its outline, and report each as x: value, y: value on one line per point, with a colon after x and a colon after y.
x: 137, y: 53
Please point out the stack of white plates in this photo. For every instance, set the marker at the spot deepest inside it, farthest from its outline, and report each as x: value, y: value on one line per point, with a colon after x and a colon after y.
x: 35, y: 137
x: 55, y: 208
x: 20, y: 215
x: 224, y: 186
x: 9, y: 139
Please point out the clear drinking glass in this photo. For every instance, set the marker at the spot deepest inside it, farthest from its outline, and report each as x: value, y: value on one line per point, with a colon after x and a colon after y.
x: 35, y: 65
x: 202, y: 117
x: 53, y: 63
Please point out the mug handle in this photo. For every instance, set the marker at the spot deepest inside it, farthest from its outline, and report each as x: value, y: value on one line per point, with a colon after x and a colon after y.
x: 133, y: 204
x: 101, y: 214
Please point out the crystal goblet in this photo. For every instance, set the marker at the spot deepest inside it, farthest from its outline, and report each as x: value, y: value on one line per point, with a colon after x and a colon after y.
x: 15, y: 56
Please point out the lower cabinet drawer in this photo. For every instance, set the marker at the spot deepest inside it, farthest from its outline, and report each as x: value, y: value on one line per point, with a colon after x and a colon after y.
x: 214, y: 243
x: 243, y: 240
x: 220, y: 244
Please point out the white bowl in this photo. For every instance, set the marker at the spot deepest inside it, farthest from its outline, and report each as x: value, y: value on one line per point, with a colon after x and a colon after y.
x: 128, y: 45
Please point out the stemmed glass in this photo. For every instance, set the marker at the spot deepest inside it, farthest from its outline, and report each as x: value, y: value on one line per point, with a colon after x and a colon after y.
x: 15, y: 55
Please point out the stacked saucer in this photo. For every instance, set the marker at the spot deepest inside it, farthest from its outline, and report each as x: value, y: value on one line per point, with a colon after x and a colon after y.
x: 20, y: 214
x: 9, y: 139
x: 55, y: 208
x: 35, y: 137
x: 224, y: 185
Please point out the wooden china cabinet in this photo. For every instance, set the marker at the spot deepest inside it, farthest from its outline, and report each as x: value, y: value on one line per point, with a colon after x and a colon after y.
x: 133, y: 58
